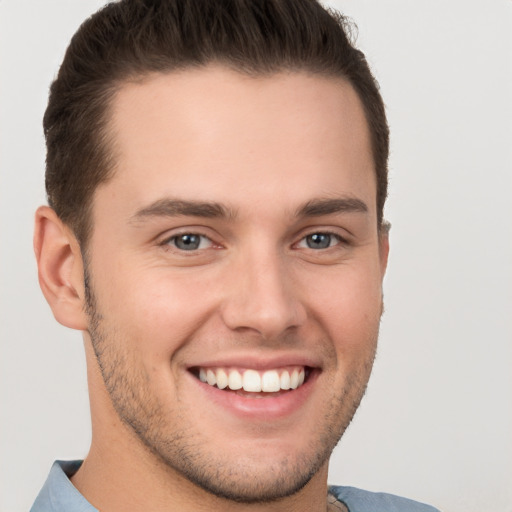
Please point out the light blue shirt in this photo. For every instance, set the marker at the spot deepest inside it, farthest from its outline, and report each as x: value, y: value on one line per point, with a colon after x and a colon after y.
x: 60, y: 495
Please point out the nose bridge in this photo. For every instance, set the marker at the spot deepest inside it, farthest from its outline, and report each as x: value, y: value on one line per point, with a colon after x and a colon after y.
x: 262, y: 295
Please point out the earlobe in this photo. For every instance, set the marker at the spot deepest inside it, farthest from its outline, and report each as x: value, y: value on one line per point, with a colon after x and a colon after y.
x: 60, y: 268
x: 384, y: 250
x: 383, y: 256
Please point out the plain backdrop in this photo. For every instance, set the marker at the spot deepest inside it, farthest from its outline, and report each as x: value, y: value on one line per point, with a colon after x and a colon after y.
x: 436, y: 424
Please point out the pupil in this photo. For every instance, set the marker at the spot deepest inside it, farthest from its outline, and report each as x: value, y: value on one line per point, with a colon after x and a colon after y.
x: 319, y: 241
x: 187, y: 242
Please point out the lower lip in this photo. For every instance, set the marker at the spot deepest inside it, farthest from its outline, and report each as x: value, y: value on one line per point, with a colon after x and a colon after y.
x: 260, y: 407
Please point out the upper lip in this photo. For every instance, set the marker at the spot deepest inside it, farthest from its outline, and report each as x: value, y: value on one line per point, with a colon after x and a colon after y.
x: 258, y: 361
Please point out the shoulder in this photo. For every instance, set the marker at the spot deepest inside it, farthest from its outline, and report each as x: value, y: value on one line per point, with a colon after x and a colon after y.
x: 358, y: 500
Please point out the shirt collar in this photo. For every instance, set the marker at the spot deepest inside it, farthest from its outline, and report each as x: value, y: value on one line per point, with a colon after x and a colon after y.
x: 59, y: 494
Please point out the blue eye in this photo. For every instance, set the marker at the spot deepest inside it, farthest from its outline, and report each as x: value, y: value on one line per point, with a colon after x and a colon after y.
x: 319, y: 241
x: 190, y: 242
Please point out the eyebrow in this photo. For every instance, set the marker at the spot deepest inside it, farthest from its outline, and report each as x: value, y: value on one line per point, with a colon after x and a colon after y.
x: 176, y: 208
x: 318, y: 207
x: 210, y: 210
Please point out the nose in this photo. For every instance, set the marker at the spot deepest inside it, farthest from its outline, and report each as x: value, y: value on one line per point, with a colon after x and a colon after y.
x: 262, y: 296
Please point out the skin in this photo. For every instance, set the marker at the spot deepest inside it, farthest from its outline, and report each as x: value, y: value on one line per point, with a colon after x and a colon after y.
x: 254, y: 291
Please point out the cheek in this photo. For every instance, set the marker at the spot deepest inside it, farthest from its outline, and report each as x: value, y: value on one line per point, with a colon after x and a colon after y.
x: 348, y: 304
x: 156, y: 310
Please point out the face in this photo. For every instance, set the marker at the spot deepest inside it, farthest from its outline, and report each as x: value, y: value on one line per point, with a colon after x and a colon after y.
x: 234, y: 275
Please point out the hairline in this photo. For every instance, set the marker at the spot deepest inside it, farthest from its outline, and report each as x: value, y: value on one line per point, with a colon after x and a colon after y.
x: 113, y: 87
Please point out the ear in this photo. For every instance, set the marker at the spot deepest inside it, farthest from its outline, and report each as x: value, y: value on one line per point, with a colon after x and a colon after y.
x: 384, y: 248
x: 60, y: 269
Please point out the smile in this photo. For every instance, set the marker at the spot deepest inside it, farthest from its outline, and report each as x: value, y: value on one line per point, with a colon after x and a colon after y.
x: 253, y: 381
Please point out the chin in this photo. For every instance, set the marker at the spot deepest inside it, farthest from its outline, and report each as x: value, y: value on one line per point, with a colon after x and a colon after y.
x: 246, y: 482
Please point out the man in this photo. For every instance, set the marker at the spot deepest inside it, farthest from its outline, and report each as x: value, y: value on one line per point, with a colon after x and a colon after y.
x: 216, y: 175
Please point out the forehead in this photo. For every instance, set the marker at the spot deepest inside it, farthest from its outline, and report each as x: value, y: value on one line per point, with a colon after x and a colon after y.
x: 222, y: 135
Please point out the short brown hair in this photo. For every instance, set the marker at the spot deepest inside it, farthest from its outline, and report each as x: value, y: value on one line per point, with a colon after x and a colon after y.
x: 132, y: 38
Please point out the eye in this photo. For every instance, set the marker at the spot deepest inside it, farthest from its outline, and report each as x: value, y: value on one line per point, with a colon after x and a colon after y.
x: 319, y: 241
x: 189, y: 242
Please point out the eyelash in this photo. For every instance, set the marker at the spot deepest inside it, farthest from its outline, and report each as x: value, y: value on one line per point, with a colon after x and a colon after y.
x: 339, y: 239
x: 168, y: 242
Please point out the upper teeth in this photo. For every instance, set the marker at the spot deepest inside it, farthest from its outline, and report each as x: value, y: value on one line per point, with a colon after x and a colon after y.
x: 253, y: 381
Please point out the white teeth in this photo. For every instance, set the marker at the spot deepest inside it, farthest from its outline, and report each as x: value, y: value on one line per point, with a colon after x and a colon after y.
x: 235, y: 380
x: 222, y: 379
x: 285, y: 380
x: 252, y: 381
x: 270, y: 381
x: 294, y: 380
x: 302, y: 376
x: 210, y: 378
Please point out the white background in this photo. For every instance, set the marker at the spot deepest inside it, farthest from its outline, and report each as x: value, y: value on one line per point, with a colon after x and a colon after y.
x: 436, y: 424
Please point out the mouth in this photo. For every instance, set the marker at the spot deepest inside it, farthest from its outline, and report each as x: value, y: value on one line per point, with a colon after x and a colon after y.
x: 251, y: 382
